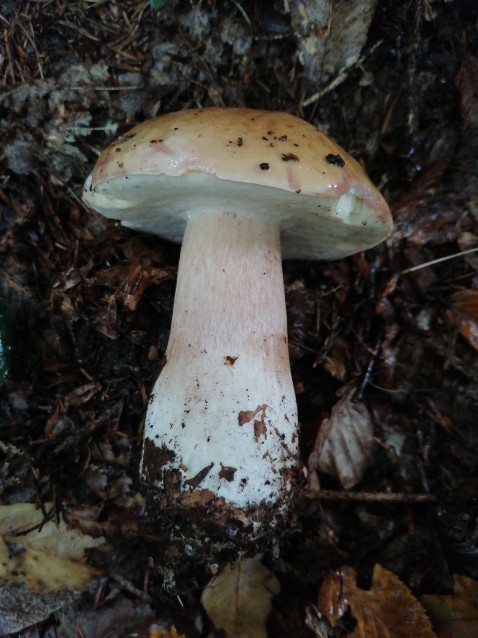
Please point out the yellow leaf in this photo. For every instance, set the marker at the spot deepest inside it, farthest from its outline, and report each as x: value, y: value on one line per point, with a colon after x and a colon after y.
x: 387, y: 610
x: 42, y: 557
x: 157, y: 632
x: 455, y: 614
x: 238, y: 600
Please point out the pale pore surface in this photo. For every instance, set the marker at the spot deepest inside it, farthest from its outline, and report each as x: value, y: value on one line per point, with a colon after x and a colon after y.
x: 228, y: 356
x: 312, y: 227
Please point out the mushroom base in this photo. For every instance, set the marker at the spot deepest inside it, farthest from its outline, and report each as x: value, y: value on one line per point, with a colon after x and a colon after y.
x: 206, y: 528
x: 222, y: 419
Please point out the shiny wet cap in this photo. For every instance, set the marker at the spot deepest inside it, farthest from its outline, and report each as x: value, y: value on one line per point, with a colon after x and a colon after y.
x: 260, y: 164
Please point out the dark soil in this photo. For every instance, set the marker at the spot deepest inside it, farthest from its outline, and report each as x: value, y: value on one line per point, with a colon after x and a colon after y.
x: 90, y: 303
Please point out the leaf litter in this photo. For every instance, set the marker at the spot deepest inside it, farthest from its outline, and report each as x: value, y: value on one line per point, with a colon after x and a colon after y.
x: 238, y: 599
x: 386, y: 610
x: 91, y: 303
x: 42, y: 564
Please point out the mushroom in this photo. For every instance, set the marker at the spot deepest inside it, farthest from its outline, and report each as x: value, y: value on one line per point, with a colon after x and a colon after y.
x: 233, y: 184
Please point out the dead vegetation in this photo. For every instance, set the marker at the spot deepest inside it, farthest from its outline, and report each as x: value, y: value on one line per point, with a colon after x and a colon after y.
x: 90, y: 303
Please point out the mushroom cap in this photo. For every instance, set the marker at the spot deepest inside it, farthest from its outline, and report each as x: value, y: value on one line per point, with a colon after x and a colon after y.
x: 260, y: 164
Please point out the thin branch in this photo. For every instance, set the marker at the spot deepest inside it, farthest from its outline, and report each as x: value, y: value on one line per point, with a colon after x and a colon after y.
x: 370, y: 497
x: 439, y: 260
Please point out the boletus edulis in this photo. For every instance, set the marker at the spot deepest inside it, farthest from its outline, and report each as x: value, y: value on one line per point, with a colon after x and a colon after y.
x: 241, y: 189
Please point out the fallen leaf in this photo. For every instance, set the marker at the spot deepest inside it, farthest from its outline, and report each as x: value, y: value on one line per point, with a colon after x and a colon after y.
x: 82, y: 394
x: 332, y: 34
x: 455, y: 614
x: 238, y: 600
x: 466, y: 301
x: 469, y: 330
x: 141, y: 276
x: 338, y: 359
x: 48, y: 558
x: 316, y: 623
x: 466, y: 325
x: 467, y: 241
x: 43, y: 560
x: 18, y: 611
x: 115, y: 616
x: 158, y: 632
x: 344, y: 442
x: 464, y: 315
x: 387, y: 610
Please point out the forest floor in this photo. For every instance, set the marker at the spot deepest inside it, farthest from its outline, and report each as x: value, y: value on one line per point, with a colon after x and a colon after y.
x: 393, y: 330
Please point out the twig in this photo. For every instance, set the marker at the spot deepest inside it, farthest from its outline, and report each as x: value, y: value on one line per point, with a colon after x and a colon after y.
x: 370, y: 497
x: 105, y: 88
x: 340, y: 77
x: 129, y: 587
x: 439, y: 260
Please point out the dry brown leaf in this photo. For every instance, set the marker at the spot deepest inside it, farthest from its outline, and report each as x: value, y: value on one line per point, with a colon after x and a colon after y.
x: 464, y: 315
x: 455, y: 614
x: 140, y: 279
x: 387, y: 610
x: 338, y: 359
x: 344, y: 442
x: 82, y: 394
x: 466, y: 301
x: 469, y: 330
x: 238, y: 600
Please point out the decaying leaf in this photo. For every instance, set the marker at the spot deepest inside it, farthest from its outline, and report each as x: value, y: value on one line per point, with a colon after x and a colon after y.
x: 466, y: 301
x: 41, y: 563
x: 455, y: 614
x: 344, y: 442
x: 114, y: 616
x: 315, y: 622
x: 48, y: 558
x: 238, y: 600
x: 141, y: 276
x: 469, y: 331
x: 158, y: 632
x: 467, y: 241
x: 332, y: 34
x: 18, y: 611
x: 387, y: 610
x: 465, y: 315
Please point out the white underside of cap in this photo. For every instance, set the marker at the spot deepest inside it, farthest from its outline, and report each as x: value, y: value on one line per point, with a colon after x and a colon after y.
x: 311, y: 226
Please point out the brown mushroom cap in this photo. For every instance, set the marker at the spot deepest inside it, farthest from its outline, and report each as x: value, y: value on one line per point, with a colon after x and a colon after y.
x: 260, y: 164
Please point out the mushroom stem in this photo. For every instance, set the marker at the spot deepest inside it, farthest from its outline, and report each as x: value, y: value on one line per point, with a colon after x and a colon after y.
x: 223, y: 410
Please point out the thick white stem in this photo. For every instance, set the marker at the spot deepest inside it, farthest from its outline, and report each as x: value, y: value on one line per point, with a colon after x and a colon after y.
x: 223, y: 411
